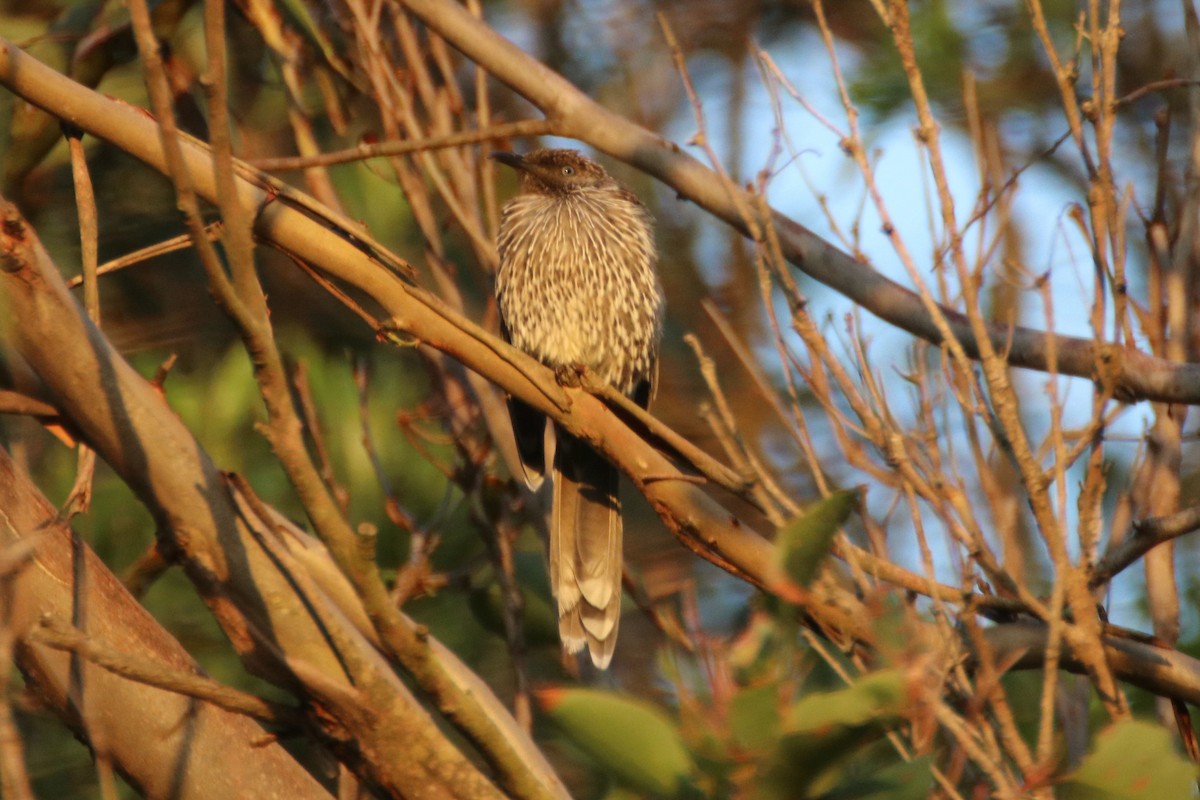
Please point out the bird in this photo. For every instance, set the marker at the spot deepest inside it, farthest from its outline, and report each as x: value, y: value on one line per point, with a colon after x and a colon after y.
x: 578, y: 289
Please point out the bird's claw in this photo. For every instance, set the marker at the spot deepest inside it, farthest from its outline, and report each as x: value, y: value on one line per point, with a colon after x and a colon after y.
x: 571, y: 375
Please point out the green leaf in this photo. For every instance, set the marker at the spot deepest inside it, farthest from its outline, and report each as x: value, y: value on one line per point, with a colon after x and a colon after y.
x: 904, y: 780
x: 1131, y: 760
x: 823, y: 730
x: 754, y: 717
x: 632, y: 740
x: 876, y: 697
x: 804, y: 542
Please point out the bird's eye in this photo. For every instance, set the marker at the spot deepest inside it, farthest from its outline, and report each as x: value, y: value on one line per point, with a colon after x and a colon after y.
x: 568, y: 170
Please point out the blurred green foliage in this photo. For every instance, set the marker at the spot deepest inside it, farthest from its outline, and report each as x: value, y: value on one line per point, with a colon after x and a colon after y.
x: 804, y: 542
x: 1131, y: 760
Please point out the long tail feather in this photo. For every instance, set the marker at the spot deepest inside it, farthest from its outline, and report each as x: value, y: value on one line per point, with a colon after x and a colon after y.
x: 585, y: 549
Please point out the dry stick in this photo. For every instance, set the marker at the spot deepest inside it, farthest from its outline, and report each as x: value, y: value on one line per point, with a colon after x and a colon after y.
x: 665, y: 622
x: 392, y: 507
x: 89, y: 226
x: 1147, y: 534
x: 1134, y: 374
x: 58, y: 634
x: 14, y: 778
x: 499, y: 539
x: 1159, y: 565
x: 14, y: 402
x: 80, y: 496
x: 147, y: 568
x: 483, y: 113
x: 312, y: 424
x: 243, y: 302
x: 284, y: 432
x: 1083, y: 634
x: 213, y: 231
x: 243, y: 292
x: 1064, y: 571
x: 1153, y: 86
x: 1163, y: 455
x: 705, y: 464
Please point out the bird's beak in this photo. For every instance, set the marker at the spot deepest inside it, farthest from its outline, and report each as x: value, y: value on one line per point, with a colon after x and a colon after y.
x: 511, y: 159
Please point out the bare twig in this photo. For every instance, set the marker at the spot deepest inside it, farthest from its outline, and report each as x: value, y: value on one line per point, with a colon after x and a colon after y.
x: 56, y: 633
x: 1134, y: 374
x: 509, y: 130
x: 213, y: 231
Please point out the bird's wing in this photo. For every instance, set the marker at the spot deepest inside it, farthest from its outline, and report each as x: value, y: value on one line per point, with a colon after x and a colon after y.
x: 530, y: 430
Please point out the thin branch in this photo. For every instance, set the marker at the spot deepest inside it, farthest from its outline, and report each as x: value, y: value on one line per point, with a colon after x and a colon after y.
x: 56, y: 633
x: 213, y: 231
x: 508, y: 130
x: 1133, y: 374
x: 1147, y: 534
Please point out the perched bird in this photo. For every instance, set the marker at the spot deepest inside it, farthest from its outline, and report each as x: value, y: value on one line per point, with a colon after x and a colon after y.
x: 578, y: 290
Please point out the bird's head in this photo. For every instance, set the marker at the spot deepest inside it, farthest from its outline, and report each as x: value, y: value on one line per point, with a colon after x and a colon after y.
x: 552, y: 171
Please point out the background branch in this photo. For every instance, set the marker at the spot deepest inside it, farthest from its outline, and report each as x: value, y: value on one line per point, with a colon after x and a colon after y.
x: 1131, y: 374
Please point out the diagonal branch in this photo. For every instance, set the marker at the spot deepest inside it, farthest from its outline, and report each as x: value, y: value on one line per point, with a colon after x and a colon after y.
x: 413, y: 312
x: 1131, y: 374
x: 163, y: 743
x: 698, y: 521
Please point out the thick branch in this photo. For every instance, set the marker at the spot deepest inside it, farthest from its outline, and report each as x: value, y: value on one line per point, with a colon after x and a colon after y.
x: 1132, y: 374
x: 164, y: 743
x: 699, y: 521
x: 283, y: 623
x: 1162, y: 671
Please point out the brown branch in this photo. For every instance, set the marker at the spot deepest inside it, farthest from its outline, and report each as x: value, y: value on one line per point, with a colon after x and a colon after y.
x: 709, y: 467
x: 297, y: 638
x: 1154, y: 86
x: 164, y: 744
x: 181, y: 242
x: 1134, y: 375
x: 698, y: 521
x: 79, y: 499
x: 1147, y: 534
x: 1162, y: 671
x: 56, y: 633
x: 13, y: 402
x: 509, y: 130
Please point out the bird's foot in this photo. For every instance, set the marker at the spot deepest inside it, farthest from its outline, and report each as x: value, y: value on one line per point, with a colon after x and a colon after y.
x: 571, y: 375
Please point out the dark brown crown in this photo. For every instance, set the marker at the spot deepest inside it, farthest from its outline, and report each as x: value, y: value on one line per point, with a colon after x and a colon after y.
x: 549, y: 170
